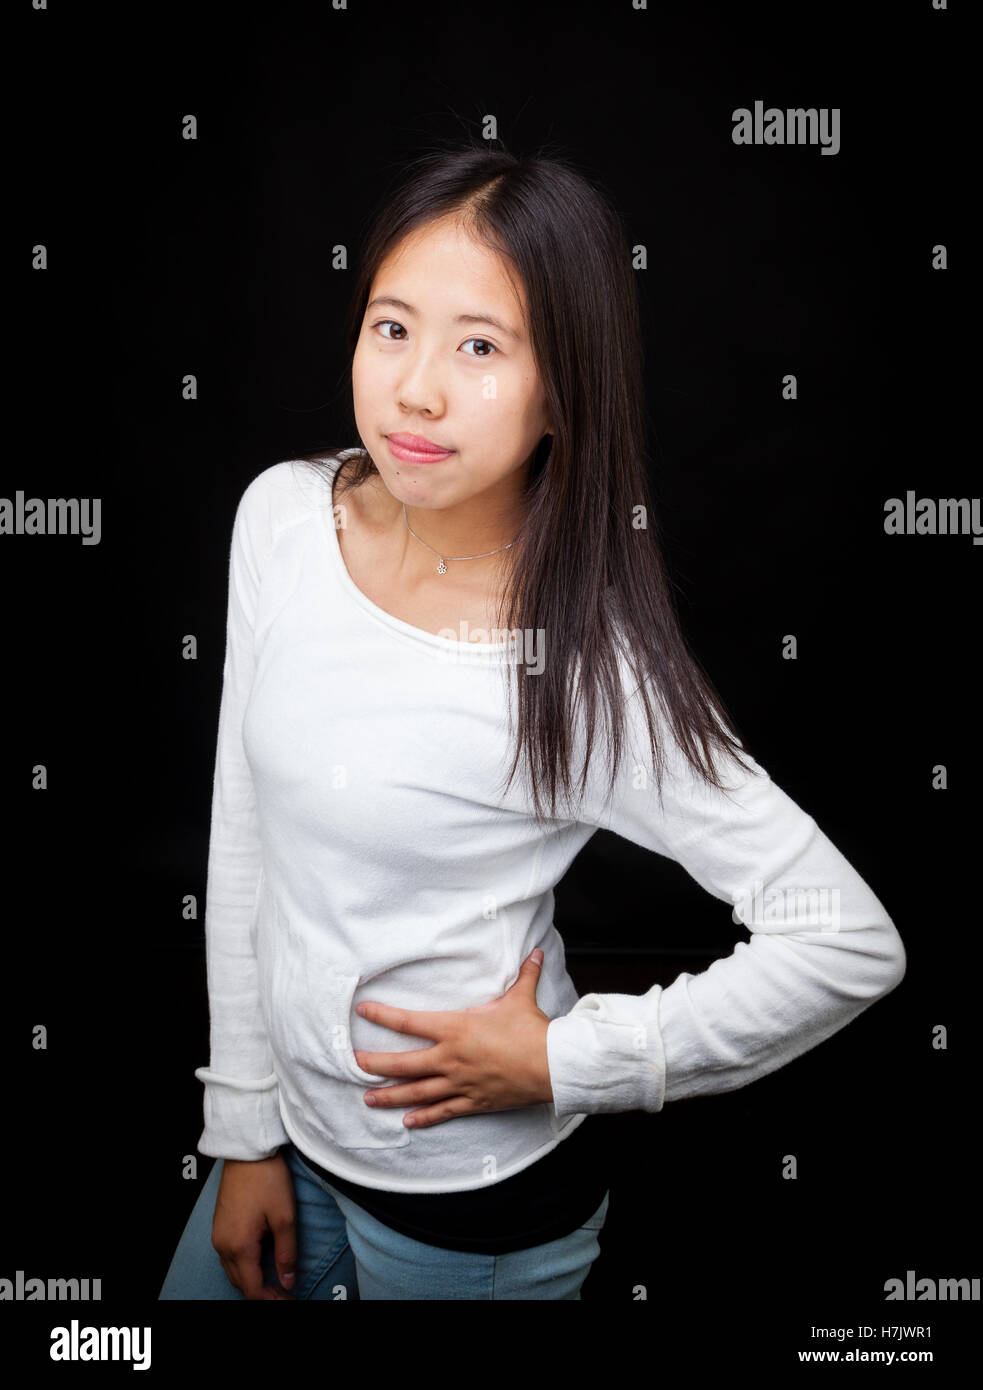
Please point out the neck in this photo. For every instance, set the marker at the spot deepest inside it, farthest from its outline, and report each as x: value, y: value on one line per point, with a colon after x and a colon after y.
x: 486, y: 522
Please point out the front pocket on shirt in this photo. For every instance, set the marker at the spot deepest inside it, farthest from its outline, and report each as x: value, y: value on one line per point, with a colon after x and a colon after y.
x: 310, y: 1033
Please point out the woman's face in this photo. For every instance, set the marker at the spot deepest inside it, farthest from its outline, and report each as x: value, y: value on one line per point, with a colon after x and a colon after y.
x: 435, y: 366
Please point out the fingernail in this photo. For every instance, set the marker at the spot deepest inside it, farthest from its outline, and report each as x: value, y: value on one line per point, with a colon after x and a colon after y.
x: 537, y: 956
x: 369, y: 1098
x: 288, y: 1281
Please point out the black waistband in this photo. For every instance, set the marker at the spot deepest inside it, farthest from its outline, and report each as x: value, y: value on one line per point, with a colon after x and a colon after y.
x: 545, y: 1201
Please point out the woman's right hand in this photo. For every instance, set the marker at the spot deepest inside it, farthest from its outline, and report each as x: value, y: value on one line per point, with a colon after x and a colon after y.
x: 253, y: 1198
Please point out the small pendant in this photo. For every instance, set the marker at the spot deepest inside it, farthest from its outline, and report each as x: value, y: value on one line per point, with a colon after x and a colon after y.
x: 441, y: 568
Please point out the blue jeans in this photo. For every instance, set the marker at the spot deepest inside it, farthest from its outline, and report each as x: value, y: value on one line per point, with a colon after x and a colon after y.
x: 343, y: 1252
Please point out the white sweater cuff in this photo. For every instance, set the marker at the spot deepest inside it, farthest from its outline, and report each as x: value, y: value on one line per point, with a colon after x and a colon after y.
x: 242, y: 1117
x: 599, y: 1064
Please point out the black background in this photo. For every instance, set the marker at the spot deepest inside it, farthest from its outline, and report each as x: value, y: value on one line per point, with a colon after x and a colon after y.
x: 213, y: 257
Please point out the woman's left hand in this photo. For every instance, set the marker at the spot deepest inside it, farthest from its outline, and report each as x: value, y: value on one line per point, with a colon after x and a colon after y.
x: 489, y: 1057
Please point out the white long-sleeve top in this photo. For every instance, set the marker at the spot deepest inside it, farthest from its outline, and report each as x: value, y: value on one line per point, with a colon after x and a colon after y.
x: 361, y: 848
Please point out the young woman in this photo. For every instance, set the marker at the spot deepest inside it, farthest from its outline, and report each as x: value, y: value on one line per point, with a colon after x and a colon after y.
x: 452, y: 655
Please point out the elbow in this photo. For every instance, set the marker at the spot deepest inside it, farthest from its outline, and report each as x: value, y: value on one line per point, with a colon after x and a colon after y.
x: 892, y: 958
x: 878, y: 959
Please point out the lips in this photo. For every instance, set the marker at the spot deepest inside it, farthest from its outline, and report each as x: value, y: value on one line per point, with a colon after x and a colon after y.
x: 418, y: 444
x: 414, y: 449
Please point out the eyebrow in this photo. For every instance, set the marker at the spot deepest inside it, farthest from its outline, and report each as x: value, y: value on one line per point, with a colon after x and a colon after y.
x: 460, y: 318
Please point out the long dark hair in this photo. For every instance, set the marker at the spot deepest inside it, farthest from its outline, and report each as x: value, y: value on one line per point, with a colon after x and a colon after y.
x: 582, y: 569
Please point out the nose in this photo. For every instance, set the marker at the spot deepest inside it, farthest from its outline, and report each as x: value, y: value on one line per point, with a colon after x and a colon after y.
x: 420, y: 390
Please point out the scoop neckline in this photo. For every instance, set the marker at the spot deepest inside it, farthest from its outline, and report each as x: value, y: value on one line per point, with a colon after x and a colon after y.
x: 418, y: 634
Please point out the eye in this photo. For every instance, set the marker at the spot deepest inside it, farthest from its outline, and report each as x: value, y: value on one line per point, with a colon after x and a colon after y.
x: 383, y: 322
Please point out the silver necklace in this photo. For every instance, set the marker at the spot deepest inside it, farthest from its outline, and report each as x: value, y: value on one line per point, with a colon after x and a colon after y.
x: 442, y: 568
